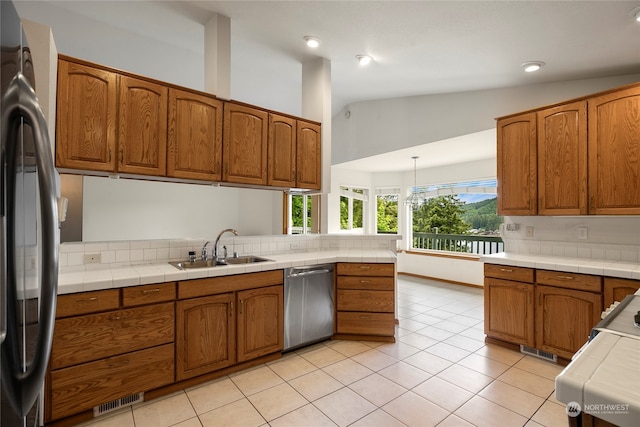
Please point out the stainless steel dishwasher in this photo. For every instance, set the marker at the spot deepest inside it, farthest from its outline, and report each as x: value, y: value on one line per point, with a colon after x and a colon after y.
x: 308, y: 305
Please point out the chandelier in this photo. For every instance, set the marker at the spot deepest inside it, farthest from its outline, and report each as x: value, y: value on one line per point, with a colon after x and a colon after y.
x: 417, y: 197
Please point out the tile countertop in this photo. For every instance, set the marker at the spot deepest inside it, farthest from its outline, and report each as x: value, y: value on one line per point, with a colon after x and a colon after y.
x: 625, y: 270
x: 81, y: 280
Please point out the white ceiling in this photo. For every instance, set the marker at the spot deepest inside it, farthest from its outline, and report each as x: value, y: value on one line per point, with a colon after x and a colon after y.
x: 419, y: 47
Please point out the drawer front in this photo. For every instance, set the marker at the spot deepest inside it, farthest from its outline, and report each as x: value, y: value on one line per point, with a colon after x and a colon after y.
x: 371, y: 283
x: 80, y: 388
x: 365, y: 269
x: 518, y: 274
x: 148, y: 294
x: 237, y: 282
x: 382, y: 324
x: 360, y: 300
x: 86, y: 338
x: 87, y: 302
x: 581, y: 282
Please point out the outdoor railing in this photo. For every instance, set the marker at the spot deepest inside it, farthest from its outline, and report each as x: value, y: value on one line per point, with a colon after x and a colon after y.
x: 465, y: 243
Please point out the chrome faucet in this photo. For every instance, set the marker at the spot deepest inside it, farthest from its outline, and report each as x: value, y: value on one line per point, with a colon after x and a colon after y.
x: 215, y: 246
x: 204, y: 251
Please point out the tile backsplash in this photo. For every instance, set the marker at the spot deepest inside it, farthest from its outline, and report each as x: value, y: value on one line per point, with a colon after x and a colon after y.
x: 122, y: 253
x: 607, y: 237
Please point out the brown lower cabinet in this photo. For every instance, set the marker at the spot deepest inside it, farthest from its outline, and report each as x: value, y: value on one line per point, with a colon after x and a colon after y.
x: 548, y: 310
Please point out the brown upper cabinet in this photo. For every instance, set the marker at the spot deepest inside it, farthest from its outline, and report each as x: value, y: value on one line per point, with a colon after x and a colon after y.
x: 516, y: 158
x: 195, y: 136
x: 308, y: 156
x: 574, y: 158
x: 245, y: 144
x: 614, y: 153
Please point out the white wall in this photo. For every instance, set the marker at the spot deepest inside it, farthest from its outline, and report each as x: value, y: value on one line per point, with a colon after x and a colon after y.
x: 457, y: 270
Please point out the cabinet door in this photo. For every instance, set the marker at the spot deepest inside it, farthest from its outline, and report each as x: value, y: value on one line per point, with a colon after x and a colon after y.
x: 245, y: 145
x: 564, y: 319
x: 614, y: 153
x: 282, y: 151
x: 205, y: 337
x: 260, y: 322
x: 617, y: 289
x: 86, y: 118
x: 194, y: 137
x: 142, y: 141
x: 562, y: 160
x: 517, y: 165
x: 508, y: 311
x: 309, y: 158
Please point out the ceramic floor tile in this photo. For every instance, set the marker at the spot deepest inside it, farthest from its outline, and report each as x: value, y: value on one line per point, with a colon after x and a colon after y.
x: 426, y: 319
x: 532, y: 383
x: 484, y: 413
x: 450, y: 326
x: 212, y: 395
x: 193, y: 422
x: 443, y: 393
x: 551, y: 414
x: 428, y: 362
x: 414, y: 410
x: 323, y: 356
x: 454, y: 421
x: 277, y: 401
x: 378, y: 418
x: 292, y: 366
x: 412, y: 324
x: 164, y: 412
x: 417, y: 340
x: 315, y: 385
x: 448, y: 352
x: 540, y: 367
x: 344, y: 406
x: 465, y: 378
x: 501, y: 354
x: 465, y: 343
x: 256, y: 380
x: 435, y: 333
x: 484, y: 365
x: 240, y: 413
x: 399, y: 350
x: 404, y: 374
x: 474, y: 333
x: 513, y: 398
x: 302, y: 417
x: 347, y: 371
x: 377, y: 389
x: 123, y: 418
x: 349, y: 348
x: 464, y: 320
x: 374, y: 359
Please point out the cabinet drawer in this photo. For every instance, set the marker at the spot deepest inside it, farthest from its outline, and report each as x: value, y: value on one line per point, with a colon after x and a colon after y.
x: 366, y: 323
x: 140, y: 295
x: 519, y: 274
x: 87, y: 302
x: 360, y: 269
x: 80, y: 388
x: 361, y: 300
x: 581, y: 282
x: 372, y: 283
x: 86, y: 338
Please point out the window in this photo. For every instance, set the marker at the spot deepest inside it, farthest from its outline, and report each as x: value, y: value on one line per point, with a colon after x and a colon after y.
x: 352, y: 207
x: 300, y: 217
x: 387, y: 211
x: 459, y: 217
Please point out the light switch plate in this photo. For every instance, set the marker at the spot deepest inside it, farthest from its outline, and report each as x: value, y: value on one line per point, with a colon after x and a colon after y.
x: 529, y: 231
x: 583, y: 233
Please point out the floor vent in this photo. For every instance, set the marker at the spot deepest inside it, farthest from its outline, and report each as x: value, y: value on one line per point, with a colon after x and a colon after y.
x: 118, y: 403
x: 538, y: 353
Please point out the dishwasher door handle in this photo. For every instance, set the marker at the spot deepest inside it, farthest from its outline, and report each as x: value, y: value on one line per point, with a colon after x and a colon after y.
x: 304, y: 273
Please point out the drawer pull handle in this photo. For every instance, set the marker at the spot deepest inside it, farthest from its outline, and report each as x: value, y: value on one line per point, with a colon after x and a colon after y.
x: 565, y: 277
x: 365, y: 267
x: 151, y: 291
x: 506, y: 270
x: 87, y: 299
x: 365, y: 281
x: 231, y: 310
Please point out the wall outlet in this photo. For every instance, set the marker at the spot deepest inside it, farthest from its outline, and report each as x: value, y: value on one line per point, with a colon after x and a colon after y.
x: 92, y: 258
x: 529, y: 231
x: 583, y: 233
x: 513, y: 227
x: 294, y: 245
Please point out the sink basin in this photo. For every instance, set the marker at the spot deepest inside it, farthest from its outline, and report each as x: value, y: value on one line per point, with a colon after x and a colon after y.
x: 246, y: 259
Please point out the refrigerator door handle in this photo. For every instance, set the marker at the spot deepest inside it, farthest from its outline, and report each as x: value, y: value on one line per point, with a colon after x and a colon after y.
x: 20, y: 102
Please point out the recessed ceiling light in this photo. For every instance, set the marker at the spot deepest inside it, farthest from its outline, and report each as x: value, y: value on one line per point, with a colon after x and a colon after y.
x: 364, y: 59
x: 312, y: 41
x: 532, y: 66
x: 635, y: 12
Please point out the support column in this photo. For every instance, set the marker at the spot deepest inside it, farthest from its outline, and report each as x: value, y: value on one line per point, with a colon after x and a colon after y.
x: 316, y: 105
x: 217, y: 56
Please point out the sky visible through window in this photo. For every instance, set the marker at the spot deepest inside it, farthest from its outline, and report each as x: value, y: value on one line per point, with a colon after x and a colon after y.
x: 468, y: 197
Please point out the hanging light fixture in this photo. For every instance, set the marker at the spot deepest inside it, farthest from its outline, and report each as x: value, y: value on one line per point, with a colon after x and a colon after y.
x: 416, y: 198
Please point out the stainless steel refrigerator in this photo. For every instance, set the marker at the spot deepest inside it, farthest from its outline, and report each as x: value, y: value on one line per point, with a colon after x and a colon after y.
x: 28, y: 234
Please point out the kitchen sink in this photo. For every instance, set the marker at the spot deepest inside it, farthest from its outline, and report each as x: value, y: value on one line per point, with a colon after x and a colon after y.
x: 246, y: 259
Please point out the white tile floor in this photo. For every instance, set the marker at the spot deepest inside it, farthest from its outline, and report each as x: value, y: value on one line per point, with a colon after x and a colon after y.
x: 438, y: 373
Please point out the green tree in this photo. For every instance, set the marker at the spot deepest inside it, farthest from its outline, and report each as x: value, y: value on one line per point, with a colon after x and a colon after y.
x: 387, y: 214
x: 443, y: 213
x: 297, y: 210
